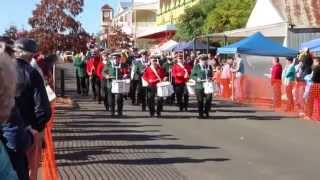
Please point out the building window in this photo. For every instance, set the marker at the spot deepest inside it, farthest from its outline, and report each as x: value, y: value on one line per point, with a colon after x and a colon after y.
x: 106, y: 16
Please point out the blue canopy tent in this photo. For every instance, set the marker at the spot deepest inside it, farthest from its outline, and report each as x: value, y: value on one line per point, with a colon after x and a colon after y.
x: 190, y: 46
x: 313, y: 45
x: 258, y: 45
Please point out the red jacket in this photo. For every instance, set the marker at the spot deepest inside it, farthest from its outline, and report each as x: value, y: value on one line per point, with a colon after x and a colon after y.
x: 99, y: 70
x: 92, y: 65
x: 178, y: 73
x: 151, y: 77
x: 276, y: 72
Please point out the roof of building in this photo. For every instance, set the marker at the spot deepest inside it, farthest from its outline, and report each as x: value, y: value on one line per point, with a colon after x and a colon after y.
x: 125, y: 4
x: 301, y: 13
x: 106, y: 6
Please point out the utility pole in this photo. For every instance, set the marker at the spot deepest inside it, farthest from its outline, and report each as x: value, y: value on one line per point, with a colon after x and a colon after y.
x: 134, y: 24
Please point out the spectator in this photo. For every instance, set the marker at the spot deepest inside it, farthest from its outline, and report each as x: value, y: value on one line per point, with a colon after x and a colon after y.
x: 31, y: 101
x: 289, y: 78
x: 276, y: 74
x: 7, y: 92
x: 6, y: 45
x: 314, y: 91
x: 300, y: 86
x: 217, y: 80
x: 47, y: 68
x: 306, y: 59
x: 225, y: 78
x: 239, y: 77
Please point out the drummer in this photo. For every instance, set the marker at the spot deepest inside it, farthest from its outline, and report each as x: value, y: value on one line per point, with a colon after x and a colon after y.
x: 138, y: 67
x: 167, y: 66
x: 112, y: 71
x: 202, y: 72
x: 181, y: 73
x: 105, y: 61
x: 153, y: 75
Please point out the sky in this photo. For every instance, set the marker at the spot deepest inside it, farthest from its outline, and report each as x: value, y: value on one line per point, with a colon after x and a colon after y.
x: 14, y: 12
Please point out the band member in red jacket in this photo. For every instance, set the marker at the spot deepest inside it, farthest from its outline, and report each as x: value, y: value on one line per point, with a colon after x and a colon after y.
x: 92, y: 71
x: 99, y: 78
x: 153, y: 75
x: 181, y: 73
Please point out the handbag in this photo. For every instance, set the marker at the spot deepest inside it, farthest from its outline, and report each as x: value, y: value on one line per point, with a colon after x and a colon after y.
x: 51, y: 94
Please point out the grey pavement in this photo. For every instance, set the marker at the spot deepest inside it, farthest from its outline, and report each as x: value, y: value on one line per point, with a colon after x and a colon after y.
x: 237, y: 143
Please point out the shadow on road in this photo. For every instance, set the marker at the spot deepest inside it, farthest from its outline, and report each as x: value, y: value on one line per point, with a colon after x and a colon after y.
x: 146, y: 161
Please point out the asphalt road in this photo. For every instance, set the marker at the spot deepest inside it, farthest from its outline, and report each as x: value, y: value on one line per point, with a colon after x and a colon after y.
x: 237, y: 143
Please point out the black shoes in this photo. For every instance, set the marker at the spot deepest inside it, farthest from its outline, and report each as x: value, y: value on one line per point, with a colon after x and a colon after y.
x: 205, y: 116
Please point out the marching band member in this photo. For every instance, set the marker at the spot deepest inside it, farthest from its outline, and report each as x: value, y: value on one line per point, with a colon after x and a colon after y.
x: 153, y: 75
x: 100, y: 77
x: 201, y: 72
x: 92, y: 67
x: 79, y: 64
x: 181, y: 72
x: 105, y: 61
x: 167, y: 66
x: 138, y: 67
x: 115, y: 70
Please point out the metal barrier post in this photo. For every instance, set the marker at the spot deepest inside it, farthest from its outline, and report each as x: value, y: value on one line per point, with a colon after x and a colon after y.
x: 62, y: 82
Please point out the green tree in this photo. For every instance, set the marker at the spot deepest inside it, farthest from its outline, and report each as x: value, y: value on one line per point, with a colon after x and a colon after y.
x: 12, y: 32
x: 191, y: 22
x: 228, y: 15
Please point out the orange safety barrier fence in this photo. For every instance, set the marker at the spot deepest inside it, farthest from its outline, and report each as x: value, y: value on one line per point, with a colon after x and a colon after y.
x: 258, y: 92
x: 49, y: 163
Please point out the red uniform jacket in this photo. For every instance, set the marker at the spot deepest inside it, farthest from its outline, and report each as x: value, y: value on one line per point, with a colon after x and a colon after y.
x: 99, y: 70
x: 92, y: 65
x: 151, y: 77
x: 178, y: 73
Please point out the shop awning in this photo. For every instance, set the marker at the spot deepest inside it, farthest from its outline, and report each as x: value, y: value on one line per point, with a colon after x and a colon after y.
x: 273, y: 31
x: 161, y: 32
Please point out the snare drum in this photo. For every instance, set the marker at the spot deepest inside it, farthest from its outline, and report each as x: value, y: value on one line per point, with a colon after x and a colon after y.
x: 208, y: 87
x: 120, y: 86
x: 164, y: 89
x: 191, y: 88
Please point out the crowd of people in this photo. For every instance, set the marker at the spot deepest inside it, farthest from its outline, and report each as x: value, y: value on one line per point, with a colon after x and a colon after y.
x: 25, y: 108
x: 181, y: 73
x: 300, y: 78
x: 294, y: 84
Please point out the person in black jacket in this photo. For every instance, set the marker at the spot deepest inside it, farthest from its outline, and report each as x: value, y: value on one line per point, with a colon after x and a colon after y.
x: 32, y: 108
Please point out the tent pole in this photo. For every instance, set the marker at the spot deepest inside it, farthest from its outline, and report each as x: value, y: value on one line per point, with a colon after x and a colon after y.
x: 194, y: 44
x: 208, y: 39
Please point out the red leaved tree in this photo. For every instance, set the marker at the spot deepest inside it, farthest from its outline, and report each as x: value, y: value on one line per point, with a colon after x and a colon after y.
x: 54, y: 26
